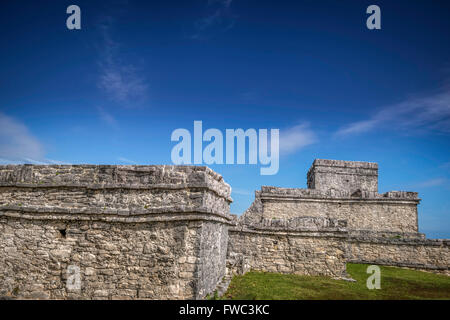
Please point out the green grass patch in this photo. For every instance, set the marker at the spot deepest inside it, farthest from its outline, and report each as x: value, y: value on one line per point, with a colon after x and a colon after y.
x: 396, y: 283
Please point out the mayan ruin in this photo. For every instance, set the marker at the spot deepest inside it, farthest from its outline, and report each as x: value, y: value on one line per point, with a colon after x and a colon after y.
x: 166, y: 232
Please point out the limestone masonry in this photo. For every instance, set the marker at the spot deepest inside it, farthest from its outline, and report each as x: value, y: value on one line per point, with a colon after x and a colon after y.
x: 165, y: 232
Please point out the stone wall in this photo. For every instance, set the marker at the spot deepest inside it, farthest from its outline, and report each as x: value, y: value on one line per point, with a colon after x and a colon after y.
x: 165, y: 232
x: 212, y: 257
x: 307, y: 246
x: 402, y: 251
x: 381, y: 228
x: 341, y: 175
x: 133, y: 231
x: 391, y: 211
x: 345, y: 190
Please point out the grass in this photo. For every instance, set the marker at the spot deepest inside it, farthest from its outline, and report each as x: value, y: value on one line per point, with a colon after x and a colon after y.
x: 396, y: 283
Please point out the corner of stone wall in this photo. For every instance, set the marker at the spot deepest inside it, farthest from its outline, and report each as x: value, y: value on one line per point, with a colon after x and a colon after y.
x: 301, y: 245
x: 156, y: 232
x: 254, y: 213
x: 408, y: 250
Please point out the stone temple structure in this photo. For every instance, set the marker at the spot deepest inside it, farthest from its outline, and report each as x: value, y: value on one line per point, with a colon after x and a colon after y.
x: 165, y: 232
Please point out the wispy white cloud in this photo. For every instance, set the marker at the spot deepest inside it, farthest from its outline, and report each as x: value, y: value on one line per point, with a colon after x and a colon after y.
x: 241, y: 192
x: 426, y: 113
x: 9, y: 161
x: 294, y: 138
x: 50, y: 161
x: 435, y: 182
x: 125, y: 160
x: 33, y: 161
x: 121, y: 81
x: 219, y: 18
x: 18, y: 145
x: 435, y: 225
x: 16, y: 142
x: 249, y: 96
x: 106, y: 117
x: 445, y: 165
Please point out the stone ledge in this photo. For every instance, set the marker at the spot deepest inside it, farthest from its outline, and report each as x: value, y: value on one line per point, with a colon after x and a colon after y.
x: 270, y: 192
x: 345, y: 164
x: 401, y: 241
x: 330, y: 233
x: 348, y: 172
x: 187, y: 216
x: 114, y: 176
x: 89, y: 211
x: 297, y: 224
x: 371, y: 234
x: 96, y: 186
x: 400, y: 264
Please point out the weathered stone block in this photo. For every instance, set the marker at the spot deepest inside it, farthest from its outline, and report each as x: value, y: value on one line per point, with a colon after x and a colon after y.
x: 341, y: 175
x: 127, y: 228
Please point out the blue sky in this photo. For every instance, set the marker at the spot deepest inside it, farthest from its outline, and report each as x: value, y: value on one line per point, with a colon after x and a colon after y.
x: 114, y: 91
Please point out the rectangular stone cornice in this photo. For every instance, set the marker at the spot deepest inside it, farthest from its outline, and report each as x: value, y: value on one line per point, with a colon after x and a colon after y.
x: 113, y: 193
x: 168, y: 177
x: 345, y: 164
x: 343, y: 175
x: 276, y: 193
